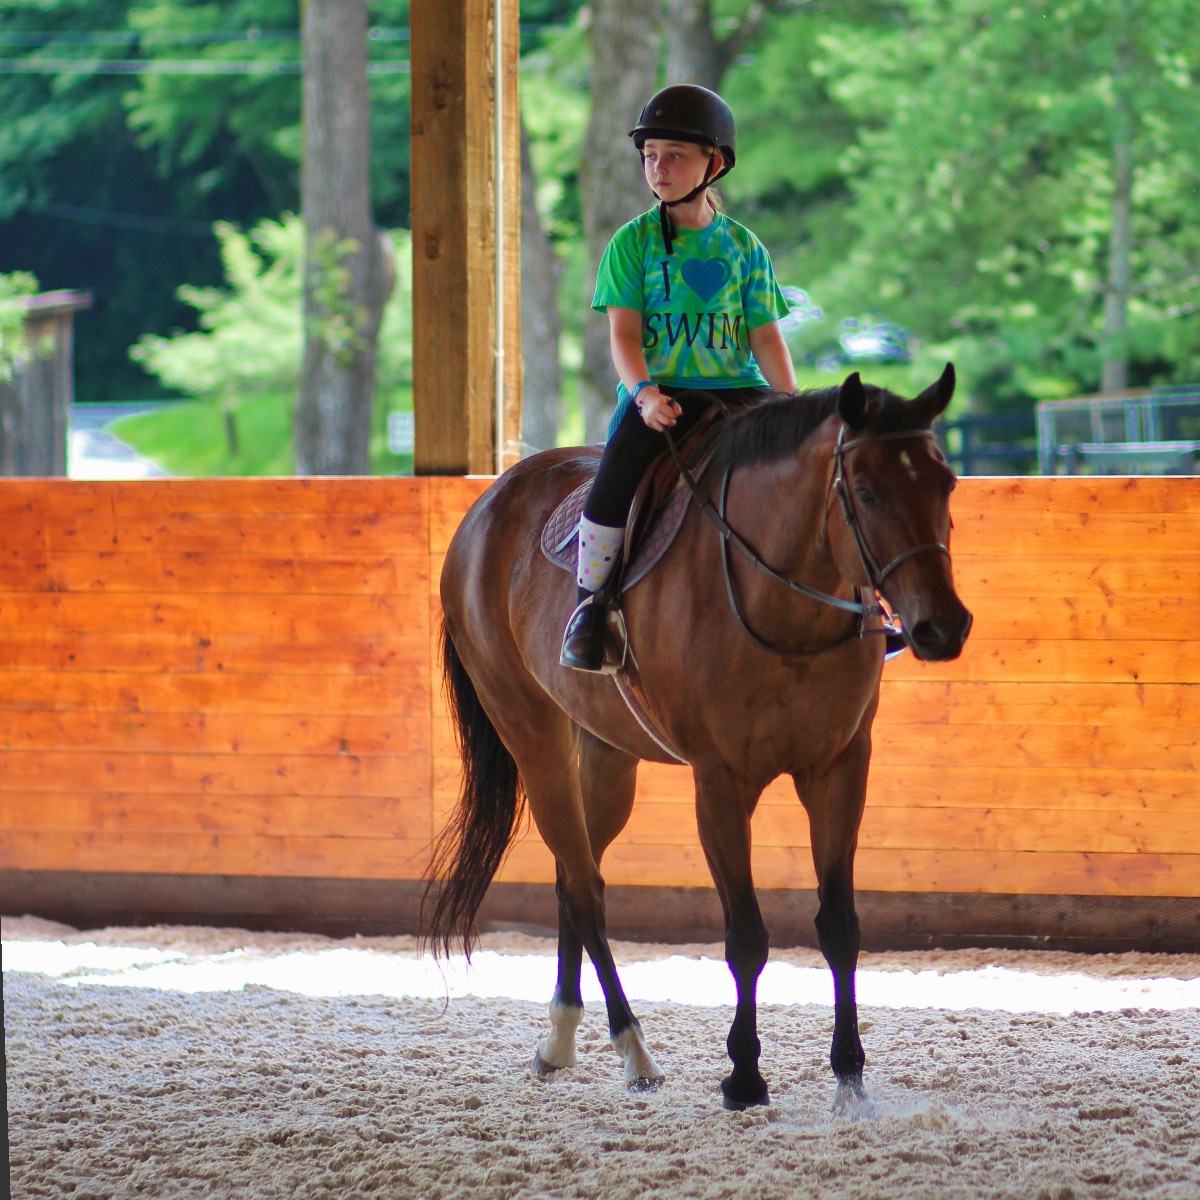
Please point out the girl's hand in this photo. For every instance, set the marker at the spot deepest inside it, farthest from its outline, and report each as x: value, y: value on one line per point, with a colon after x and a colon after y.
x: 658, y: 411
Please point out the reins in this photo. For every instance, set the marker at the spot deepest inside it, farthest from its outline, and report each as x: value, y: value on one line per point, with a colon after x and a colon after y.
x: 875, y: 576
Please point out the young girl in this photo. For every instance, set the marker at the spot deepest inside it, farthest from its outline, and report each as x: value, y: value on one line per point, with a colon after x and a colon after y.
x: 692, y: 303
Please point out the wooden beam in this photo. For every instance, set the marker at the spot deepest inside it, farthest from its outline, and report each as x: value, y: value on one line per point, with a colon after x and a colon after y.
x: 510, y: 46
x: 460, y: 423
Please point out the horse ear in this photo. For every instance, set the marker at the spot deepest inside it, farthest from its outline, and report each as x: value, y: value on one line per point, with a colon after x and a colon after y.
x: 938, y: 395
x: 852, y: 401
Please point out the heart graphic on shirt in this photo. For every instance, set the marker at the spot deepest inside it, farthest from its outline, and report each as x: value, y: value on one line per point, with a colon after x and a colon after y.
x: 706, y: 276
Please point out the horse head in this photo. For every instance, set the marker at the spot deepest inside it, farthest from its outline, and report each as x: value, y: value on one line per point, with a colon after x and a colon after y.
x: 893, y: 487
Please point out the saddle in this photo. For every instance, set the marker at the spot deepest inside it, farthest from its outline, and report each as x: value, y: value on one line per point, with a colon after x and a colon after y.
x: 655, y: 516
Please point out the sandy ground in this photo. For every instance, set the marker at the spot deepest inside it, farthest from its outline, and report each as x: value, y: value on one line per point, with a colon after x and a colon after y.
x: 207, y: 1062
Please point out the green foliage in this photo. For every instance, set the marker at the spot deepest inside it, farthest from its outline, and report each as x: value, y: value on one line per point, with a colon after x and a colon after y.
x: 83, y: 205
x: 981, y: 174
x: 183, y: 118
x: 112, y: 180
x: 251, y: 337
x: 944, y: 165
x: 47, y: 113
x: 13, y: 287
x: 340, y: 322
x: 216, y: 126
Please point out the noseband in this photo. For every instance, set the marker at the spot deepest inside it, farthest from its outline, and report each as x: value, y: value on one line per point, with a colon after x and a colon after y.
x: 875, y: 575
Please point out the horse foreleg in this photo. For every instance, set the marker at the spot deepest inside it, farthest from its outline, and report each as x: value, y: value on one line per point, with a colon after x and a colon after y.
x: 723, y: 813
x: 835, y: 806
x: 838, y: 937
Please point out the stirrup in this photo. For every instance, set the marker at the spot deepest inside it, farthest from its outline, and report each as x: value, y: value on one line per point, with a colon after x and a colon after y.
x: 581, y: 630
x: 612, y: 659
x: 893, y: 643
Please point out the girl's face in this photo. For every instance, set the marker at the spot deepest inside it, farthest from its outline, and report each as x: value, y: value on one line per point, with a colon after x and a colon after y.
x: 675, y: 168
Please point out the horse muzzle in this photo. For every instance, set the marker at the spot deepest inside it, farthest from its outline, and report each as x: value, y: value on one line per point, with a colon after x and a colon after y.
x: 940, y: 637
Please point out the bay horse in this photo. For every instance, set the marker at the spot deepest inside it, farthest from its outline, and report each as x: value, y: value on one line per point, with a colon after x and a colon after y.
x: 746, y: 671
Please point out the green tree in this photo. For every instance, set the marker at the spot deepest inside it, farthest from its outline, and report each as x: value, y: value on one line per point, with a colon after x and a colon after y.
x: 13, y: 288
x: 1024, y: 186
x: 251, y: 332
x: 81, y: 204
x: 132, y: 125
x: 250, y: 120
x: 253, y: 119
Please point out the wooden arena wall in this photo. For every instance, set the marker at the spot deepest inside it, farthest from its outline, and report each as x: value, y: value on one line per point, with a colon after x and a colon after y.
x: 213, y: 681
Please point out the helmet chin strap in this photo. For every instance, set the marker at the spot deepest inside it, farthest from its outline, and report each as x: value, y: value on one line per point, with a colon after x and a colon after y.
x: 665, y: 220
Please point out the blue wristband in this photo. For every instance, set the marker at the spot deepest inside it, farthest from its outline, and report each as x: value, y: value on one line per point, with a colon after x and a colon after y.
x: 638, y: 389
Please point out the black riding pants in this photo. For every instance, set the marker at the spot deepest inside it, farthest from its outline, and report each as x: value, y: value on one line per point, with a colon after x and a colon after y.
x: 634, y: 446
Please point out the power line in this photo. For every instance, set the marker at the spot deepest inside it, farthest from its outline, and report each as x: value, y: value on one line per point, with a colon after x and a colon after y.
x: 172, y: 66
x: 121, y: 37
x: 99, y: 216
x: 153, y: 39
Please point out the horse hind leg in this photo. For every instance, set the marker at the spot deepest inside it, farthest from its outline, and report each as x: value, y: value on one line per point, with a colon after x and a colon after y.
x: 607, y: 781
x: 582, y: 898
x: 557, y: 1049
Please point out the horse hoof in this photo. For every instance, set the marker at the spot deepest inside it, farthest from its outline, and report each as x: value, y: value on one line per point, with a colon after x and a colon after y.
x: 738, y: 1099
x: 644, y: 1083
x: 851, y: 1099
x: 541, y: 1068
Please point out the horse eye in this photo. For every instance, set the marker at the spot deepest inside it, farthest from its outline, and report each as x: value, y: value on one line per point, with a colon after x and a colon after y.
x: 864, y: 495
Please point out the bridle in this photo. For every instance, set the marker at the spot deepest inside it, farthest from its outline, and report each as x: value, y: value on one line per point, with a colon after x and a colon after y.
x: 875, y: 574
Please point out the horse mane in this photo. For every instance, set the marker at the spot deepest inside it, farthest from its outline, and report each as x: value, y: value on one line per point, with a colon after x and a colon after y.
x: 768, y: 429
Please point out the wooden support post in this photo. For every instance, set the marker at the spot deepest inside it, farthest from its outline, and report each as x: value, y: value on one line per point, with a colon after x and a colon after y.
x: 462, y: 424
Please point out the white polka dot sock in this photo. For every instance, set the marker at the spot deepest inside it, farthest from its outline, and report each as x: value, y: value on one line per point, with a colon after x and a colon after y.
x: 599, y: 546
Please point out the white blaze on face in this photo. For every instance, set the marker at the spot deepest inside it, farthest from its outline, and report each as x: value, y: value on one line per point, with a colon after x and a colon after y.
x: 907, y: 463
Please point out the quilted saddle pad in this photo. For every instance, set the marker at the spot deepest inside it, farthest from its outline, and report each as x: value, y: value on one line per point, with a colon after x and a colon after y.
x: 559, y: 537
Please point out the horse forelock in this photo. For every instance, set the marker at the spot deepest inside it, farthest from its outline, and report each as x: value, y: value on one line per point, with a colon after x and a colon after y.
x: 778, y: 424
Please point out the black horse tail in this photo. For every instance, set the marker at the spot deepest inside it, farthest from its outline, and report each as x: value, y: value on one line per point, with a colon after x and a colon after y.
x: 469, y: 850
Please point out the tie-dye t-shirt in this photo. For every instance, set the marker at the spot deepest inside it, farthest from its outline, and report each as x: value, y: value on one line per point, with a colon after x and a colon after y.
x: 698, y: 305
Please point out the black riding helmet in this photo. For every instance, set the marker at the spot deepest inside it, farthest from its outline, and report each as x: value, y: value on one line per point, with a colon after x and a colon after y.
x: 687, y: 112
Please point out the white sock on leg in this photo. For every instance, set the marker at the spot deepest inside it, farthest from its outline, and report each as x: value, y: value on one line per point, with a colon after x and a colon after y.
x: 599, y: 546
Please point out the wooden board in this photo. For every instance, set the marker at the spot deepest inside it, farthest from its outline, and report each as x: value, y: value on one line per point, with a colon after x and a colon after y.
x: 238, y: 678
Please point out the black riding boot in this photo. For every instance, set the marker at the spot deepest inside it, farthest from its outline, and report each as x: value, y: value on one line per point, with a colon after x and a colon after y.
x: 583, y: 642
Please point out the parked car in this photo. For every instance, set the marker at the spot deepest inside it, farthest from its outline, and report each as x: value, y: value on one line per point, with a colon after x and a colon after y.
x: 874, y: 343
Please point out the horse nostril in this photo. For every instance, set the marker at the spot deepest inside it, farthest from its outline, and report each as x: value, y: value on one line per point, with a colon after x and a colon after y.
x: 925, y: 634
x: 942, y: 636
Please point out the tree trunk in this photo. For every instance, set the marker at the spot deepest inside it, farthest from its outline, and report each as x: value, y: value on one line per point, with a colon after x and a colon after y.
x: 1114, y: 376
x: 625, y: 38
x: 540, y: 322
x: 348, y: 270
x: 693, y: 53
